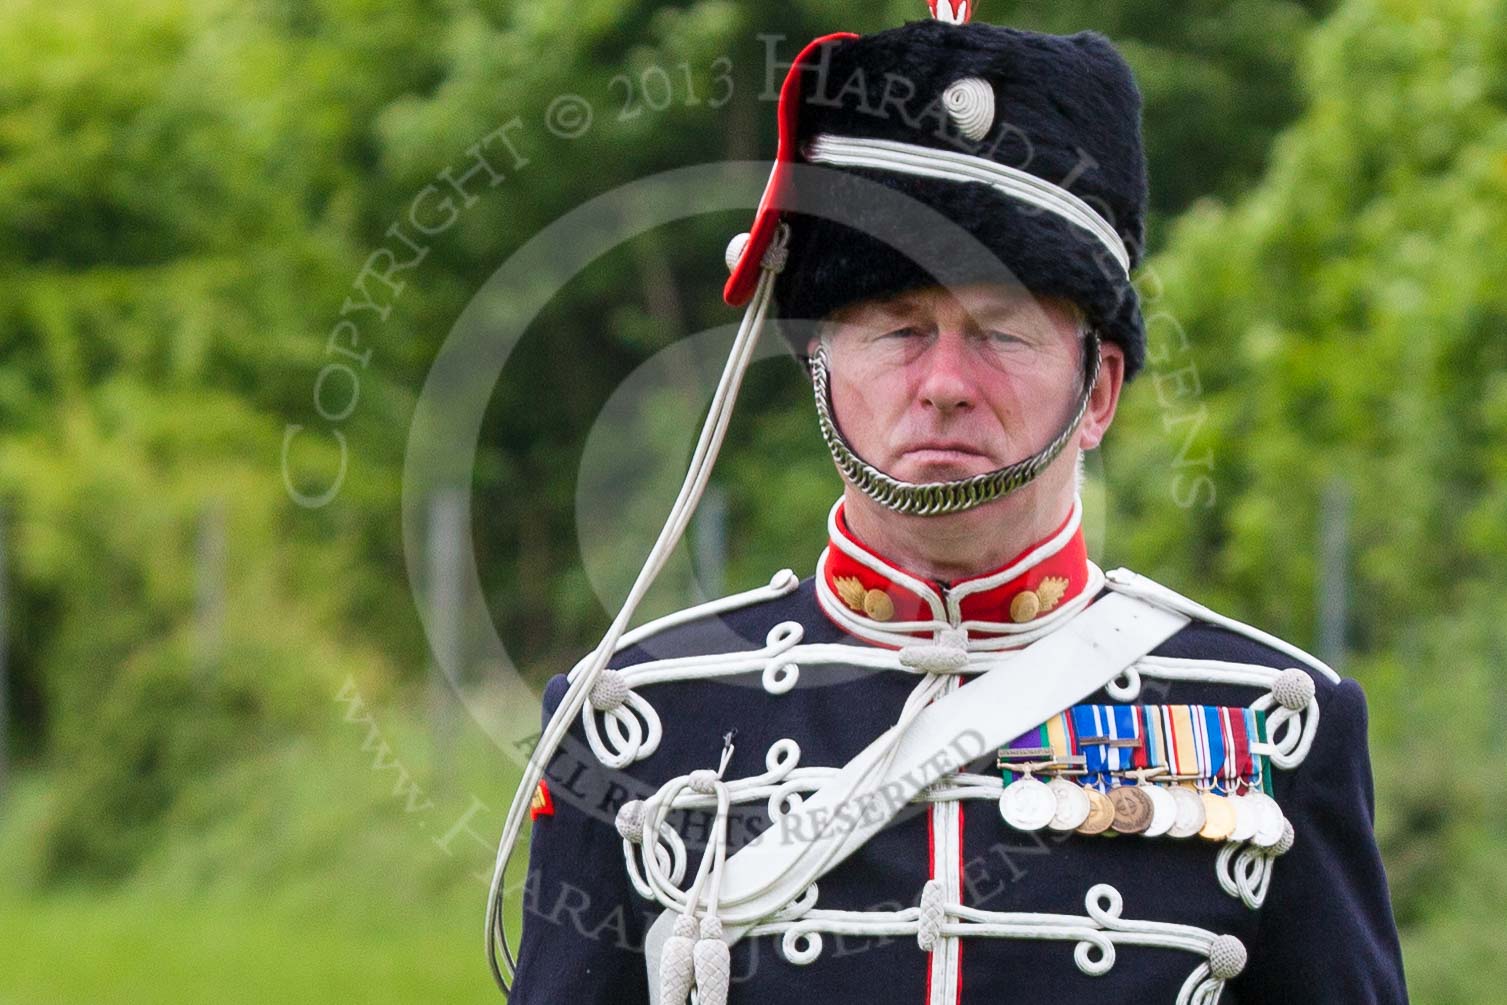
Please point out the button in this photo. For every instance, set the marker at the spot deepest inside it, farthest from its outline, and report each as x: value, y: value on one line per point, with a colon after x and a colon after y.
x: 878, y: 605
x: 1025, y: 606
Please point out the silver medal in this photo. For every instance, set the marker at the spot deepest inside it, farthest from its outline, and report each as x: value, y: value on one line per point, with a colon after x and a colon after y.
x: 1027, y: 804
x: 1246, y: 818
x: 1163, y: 811
x: 1072, y: 805
x: 1269, y: 819
x: 1190, y: 812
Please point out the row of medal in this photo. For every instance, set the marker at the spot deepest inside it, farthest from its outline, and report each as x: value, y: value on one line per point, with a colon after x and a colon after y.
x: 1174, y: 770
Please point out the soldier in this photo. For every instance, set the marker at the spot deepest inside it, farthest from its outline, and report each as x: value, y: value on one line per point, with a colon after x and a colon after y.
x: 960, y: 763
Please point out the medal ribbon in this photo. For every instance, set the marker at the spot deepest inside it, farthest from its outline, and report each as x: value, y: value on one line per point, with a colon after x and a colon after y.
x: 1182, y: 748
x: 1213, y: 744
x: 1060, y: 737
x: 1263, y: 760
x: 1153, y: 752
x: 1088, y: 723
x: 1125, y: 725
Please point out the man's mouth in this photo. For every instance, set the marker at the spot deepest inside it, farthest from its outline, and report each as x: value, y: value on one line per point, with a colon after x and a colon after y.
x: 941, y: 451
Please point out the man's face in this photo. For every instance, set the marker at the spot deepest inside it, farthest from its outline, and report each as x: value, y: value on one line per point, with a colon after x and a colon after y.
x: 937, y: 384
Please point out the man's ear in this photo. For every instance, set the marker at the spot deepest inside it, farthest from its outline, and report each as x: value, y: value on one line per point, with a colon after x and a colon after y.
x: 1105, y: 396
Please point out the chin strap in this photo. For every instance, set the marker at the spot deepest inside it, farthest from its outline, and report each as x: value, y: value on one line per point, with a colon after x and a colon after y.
x: 940, y: 498
x: 586, y: 675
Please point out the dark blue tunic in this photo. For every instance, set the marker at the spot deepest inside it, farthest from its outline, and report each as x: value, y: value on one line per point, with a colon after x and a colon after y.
x: 1324, y: 933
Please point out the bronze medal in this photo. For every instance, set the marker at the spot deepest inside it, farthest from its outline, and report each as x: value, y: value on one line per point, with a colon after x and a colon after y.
x: 1133, y: 809
x: 1220, y: 817
x: 1101, y: 813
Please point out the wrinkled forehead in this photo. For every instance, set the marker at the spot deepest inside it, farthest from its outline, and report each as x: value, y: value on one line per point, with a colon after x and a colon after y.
x: 980, y: 302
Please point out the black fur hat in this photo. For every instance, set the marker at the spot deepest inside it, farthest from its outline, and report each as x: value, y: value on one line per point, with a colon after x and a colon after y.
x: 1066, y: 109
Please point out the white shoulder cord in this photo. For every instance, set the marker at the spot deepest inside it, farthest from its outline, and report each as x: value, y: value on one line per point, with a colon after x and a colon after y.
x: 1136, y: 585
x: 584, y: 677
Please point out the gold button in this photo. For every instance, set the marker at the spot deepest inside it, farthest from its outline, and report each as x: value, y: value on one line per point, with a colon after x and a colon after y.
x: 878, y: 605
x: 1025, y: 606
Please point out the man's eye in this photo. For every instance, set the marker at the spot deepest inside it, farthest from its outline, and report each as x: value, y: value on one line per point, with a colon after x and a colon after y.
x: 907, y: 332
x: 1004, y: 337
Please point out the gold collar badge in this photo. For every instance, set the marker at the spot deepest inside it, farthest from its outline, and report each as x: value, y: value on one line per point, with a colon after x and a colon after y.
x: 1030, y: 604
x: 874, y: 603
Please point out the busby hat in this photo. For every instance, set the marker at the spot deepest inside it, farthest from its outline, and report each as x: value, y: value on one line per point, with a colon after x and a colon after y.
x: 1030, y: 143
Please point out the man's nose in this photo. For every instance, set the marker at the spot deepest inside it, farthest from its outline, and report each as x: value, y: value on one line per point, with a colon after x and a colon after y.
x: 946, y: 379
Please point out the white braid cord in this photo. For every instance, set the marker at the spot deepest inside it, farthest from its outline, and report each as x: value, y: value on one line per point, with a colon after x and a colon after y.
x: 1097, y: 934
x: 783, y: 659
x: 1125, y: 581
x: 584, y: 677
x: 951, y: 165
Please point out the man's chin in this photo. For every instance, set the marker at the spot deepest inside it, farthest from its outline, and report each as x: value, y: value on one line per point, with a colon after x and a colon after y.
x: 925, y: 470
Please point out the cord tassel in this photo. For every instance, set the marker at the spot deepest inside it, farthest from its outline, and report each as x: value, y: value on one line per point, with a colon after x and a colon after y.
x: 676, y: 967
x: 714, y: 966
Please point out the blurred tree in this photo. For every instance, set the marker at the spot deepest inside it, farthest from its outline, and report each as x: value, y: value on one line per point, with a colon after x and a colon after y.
x: 179, y: 186
x: 1343, y: 322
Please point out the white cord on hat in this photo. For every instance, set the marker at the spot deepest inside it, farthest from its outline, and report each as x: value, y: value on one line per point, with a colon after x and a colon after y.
x: 950, y: 165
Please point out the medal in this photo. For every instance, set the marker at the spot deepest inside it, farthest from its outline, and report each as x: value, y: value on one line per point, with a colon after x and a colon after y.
x: 1236, y: 765
x: 1163, y: 811
x: 1088, y: 731
x: 1132, y: 806
x: 1219, y: 817
x: 1153, y: 760
x: 1028, y: 804
x: 1219, y: 812
x: 1190, y: 814
x: 1177, y: 734
x: 1269, y: 819
x: 1072, y: 805
x: 1245, y: 818
x: 1133, y: 809
x: 1101, y: 813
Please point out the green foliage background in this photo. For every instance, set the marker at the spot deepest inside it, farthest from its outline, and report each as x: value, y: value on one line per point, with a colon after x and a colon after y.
x: 187, y: 192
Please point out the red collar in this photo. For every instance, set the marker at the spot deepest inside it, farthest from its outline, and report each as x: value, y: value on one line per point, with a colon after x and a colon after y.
x: 1023, y: 594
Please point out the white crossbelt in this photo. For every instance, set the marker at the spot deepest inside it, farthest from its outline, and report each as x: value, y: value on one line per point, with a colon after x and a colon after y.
x: 1046, y: 677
